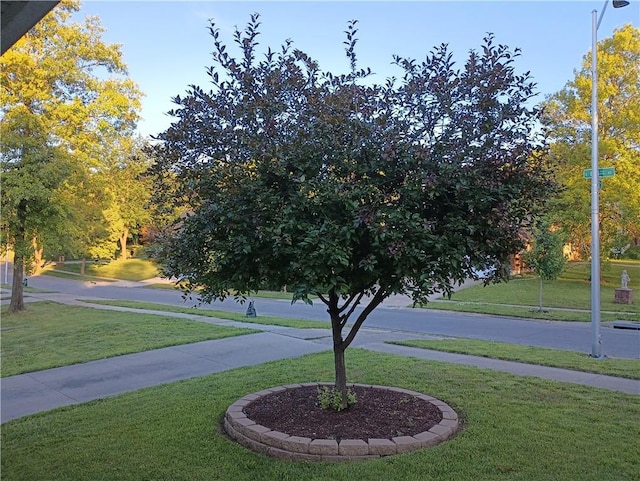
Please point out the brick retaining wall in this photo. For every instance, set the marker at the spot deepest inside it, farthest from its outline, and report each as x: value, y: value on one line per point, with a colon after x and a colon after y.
x: 274, y: 443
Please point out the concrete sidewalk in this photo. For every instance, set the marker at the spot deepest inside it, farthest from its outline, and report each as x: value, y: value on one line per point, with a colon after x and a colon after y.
x: 43, y: 390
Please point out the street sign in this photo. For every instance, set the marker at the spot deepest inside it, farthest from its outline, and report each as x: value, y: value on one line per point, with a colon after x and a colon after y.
x: 603, y: 172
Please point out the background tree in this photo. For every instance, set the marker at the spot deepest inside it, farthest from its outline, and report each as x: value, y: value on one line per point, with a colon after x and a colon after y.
x: 64, y: 94
x: 349, y: 191
x: 166, y: 204
x: 546, y: 257
x: 88, y: 236
x: 568, y: 118
x: 127, y: 190
x: 32, y: 172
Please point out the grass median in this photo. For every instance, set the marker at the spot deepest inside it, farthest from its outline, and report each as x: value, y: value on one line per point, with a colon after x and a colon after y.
x: 629, y: 368
x: 50, y: 335
x: 232, y: 316
x: 515, y: 428
x: 548, y: 314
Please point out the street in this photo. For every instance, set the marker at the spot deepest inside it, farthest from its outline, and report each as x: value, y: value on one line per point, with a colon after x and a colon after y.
x: 576, y: 336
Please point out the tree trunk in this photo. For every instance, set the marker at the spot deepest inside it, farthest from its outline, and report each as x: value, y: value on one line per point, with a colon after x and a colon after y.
x: 19, y: 248
x: 123, y: 243
x: 339, y: 317
x: 83, y: 266
x: 17, y: 288
x: 341, y: 373
x: 540, y: 296
x: 37, y: 255
x: 338, y: 354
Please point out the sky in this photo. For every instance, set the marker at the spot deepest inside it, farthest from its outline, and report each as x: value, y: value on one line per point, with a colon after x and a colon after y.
x: 167, y: 45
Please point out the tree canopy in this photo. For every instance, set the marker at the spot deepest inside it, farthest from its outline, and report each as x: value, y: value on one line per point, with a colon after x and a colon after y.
x: 568, y: 119
x: 350, y: 190
x: 65, y: 96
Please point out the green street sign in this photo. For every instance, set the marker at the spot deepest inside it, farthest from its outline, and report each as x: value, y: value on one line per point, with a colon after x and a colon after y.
x: 603, y: 172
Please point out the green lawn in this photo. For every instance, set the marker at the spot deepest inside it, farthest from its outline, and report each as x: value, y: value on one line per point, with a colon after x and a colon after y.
x: 76, y: 277
x: 49, y: 335
x: 549, y: 314
x: 570, y: 291
x: 128, y: 270
x: 515, y: 428
x: 267, y: 320
x: 629, y: 368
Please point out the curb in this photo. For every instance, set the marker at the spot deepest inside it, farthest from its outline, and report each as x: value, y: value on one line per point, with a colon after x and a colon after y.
x: 281, y: 445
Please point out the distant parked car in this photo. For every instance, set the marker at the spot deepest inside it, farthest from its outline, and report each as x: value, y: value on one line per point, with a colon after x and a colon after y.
x: 484, y: 273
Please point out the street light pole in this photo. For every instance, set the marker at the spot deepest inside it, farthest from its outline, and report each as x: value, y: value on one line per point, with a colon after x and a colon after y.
x: 596, y: 345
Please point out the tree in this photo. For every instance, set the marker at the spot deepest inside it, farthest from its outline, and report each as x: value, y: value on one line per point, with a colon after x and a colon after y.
x: 32, y: 172
x: 166, y: 204
x: 546, y: 256
x: 568, y: 119
x: 127, y: 189
x: 88, y: 234
x: 347, y: 190
x: 64, y: 94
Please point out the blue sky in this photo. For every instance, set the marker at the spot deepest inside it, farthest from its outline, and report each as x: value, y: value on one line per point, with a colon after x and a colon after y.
x: 167, y: 46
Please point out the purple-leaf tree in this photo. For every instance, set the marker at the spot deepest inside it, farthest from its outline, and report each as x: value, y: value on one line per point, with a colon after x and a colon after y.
x: 348, y: 190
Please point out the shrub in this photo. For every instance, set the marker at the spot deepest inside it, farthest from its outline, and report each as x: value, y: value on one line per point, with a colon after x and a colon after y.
x: 331, y: 398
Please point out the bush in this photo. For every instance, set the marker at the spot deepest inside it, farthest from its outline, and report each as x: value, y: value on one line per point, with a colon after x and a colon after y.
x: 330, y: 398
x: 631, y: 253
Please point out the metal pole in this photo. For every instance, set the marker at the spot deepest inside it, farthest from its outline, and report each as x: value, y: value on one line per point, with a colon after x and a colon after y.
x: 596, y: 346
x: 604, y: 7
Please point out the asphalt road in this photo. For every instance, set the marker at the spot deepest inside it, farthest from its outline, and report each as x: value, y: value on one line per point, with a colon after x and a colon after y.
x: 574, y: 336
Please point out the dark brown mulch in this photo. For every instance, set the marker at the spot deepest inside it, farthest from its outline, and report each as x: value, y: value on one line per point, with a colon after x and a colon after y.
x: 378, y: 413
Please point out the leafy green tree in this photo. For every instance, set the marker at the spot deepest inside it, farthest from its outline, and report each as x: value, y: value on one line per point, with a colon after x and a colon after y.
x: 568, y: 118
x: 128, y: 191
x: 32, y: 171
x: 546, y: 257
x: 349, y: 190
x: 166, y: 204
x: 88, y: 235
x: 64, y: 97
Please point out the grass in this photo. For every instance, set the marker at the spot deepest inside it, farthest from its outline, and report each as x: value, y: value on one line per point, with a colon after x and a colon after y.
x: 161, y: 285
x: 277, y: 295
x: 570, y: 291
x: 548, y: 314
x: 128, y: 270
x: 260, y: 294
x: 629, y: 368
x: 75, y: 277
x: 515, y: 428
x: 49, y: 335
x: 24, y: 289
x: 266, y: 320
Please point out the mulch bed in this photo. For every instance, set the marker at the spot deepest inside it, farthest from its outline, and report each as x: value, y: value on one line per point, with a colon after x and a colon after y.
x: 378, y: 413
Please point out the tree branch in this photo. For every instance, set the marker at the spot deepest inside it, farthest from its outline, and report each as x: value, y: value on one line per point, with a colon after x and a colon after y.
x: 353, y: 307
x: 346, y: 304
x: 322, y: 298
x: 375, y: 302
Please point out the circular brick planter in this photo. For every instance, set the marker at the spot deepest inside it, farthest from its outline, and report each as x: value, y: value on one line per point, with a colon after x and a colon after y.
x: 281, y: 445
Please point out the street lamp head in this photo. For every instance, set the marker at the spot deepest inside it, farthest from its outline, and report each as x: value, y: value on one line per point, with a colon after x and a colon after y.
x: 620, y: 3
